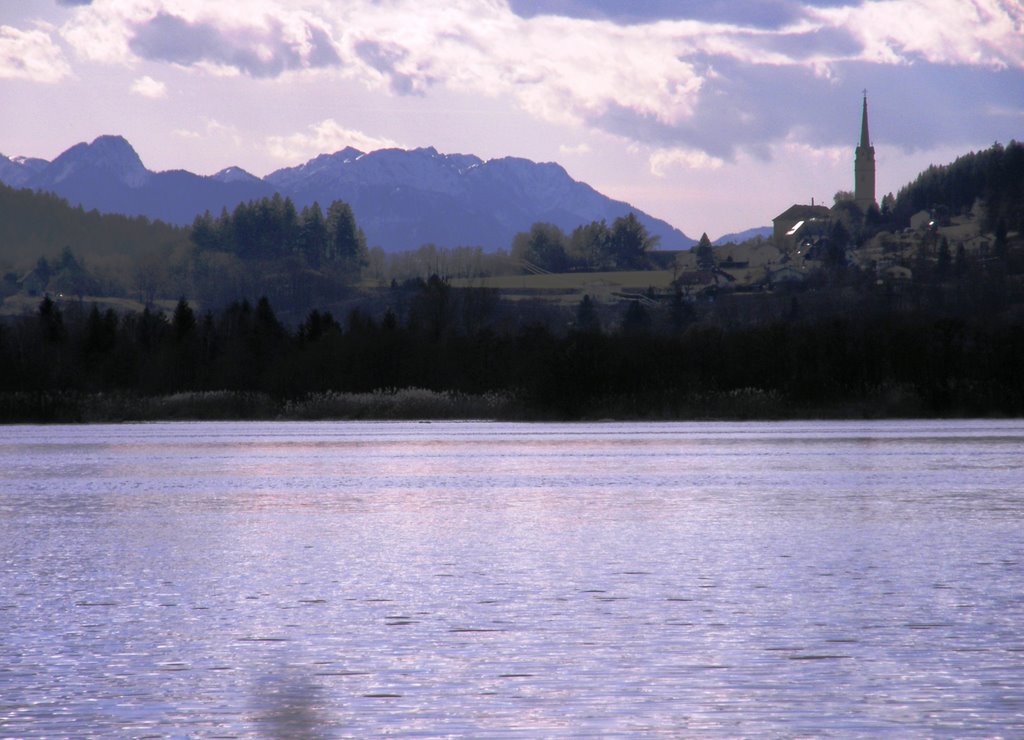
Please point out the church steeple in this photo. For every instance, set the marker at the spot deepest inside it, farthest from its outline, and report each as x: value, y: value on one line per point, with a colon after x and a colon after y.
x: 865, y: 140
x: 864, y: 165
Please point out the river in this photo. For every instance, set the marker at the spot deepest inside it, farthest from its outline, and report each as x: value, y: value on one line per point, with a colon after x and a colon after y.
x: 474, y: 579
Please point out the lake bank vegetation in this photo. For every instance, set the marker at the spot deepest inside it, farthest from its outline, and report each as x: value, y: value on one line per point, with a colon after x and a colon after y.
x: 450, y: 357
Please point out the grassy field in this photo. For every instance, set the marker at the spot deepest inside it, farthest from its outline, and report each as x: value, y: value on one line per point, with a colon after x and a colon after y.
x: 572, y: 284
x: 567, y: 287
x: 20, y: 304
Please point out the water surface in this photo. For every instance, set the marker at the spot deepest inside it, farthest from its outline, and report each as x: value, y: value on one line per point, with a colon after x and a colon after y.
x: 481, y: 579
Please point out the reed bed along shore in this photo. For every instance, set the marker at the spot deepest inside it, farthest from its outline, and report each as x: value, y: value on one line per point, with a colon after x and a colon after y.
x: 397, y: 404
x: 407, y: 404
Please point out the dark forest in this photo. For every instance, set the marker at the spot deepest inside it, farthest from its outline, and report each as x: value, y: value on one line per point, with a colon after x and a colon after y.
x: 80, y: 365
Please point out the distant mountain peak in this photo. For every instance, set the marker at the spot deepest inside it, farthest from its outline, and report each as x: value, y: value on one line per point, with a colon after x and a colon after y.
x: 234, y: 174
x: 110, y: 154
x: 33, y: 163
x: 348, y: 154
x: 13, y: 172
x: 112, y: 142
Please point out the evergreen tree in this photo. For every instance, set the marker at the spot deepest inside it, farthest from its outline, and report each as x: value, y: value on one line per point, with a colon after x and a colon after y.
x: 205, y: 233
x: 705, y: 253
x: 346, y: 241
x: 51, y: 321
x: 290, y: 227
x: 183, y: 321
x: 313, y: 236
x: 942, y: 263
x: 636, y: 320
x: 586, y: 316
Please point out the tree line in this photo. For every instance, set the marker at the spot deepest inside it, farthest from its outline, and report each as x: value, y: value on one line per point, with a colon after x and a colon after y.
x: 272, y: 228
x: 590, y: 247
x: 994, y: 175
x: 435, y: 337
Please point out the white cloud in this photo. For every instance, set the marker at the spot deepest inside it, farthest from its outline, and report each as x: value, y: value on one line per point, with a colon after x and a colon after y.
x: 1004, y: 111
x: 576, y: 149
x: 326, y: 136
x: 101, y: 33
x: 972, y: 32
x: 147, y: 87
x: 31, y: 55
x: 213, y: 129
x: 819, y: 155
x: 260, y: 37
x: 662, y: 160
x: 226, y: 131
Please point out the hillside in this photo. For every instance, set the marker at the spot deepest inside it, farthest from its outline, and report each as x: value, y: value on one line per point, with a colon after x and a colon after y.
x: 34, y: 225
x: 994, y: 176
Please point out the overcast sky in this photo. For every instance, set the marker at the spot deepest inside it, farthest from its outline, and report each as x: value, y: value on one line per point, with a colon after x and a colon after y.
x: 715, y: 115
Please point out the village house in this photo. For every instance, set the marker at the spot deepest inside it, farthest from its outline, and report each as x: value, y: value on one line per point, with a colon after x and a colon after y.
x: 791, y: 226
x: 921, y: 221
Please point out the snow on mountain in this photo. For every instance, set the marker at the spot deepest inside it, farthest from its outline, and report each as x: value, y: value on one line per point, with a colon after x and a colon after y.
x: 35, y: 164
x: 319, y: 167
x: 13, y: 172
x: 234, y: 174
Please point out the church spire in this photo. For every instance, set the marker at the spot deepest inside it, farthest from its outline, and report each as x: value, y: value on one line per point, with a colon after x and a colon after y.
x: 864, y: 165
x: 865, y: 140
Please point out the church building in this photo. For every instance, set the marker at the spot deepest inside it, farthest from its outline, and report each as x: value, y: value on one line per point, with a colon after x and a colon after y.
x: 801, y: 222
x: 864, y: 166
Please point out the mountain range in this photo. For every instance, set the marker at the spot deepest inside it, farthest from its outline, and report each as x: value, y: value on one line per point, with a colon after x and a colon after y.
x: 402, y: 199
x: 741, y: 236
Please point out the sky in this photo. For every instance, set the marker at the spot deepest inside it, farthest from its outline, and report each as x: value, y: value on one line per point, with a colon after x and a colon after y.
x: 715, y: 115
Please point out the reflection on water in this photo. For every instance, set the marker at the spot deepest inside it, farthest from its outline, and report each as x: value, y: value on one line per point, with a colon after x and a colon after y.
x: 467, y: 579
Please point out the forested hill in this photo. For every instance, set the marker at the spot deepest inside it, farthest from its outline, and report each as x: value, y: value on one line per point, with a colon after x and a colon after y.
x: 34, y: 225
x: 995, y: 175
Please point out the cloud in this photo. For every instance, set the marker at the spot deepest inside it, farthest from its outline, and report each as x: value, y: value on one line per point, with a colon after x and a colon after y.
x: 213, y: 130
x: 756, y: 13
x: 711, y: 76
x: 663, y: 160
x: 257, y: 51
x: 576, y: 150
x: 31, y: 55
x: 147, y: 87
x: 970, y: 32
x: 388, y: 59
x: 326, y: 136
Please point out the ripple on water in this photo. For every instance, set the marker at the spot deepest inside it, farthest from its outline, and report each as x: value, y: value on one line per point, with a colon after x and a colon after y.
x: 805, y: 579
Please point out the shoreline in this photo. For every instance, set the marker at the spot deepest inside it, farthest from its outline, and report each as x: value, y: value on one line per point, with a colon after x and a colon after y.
x: 418, y: 404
